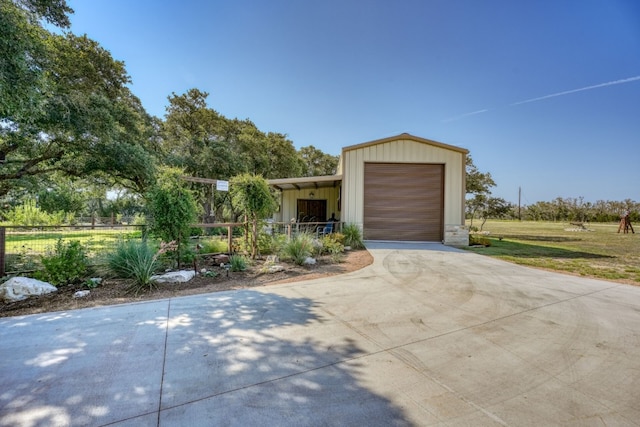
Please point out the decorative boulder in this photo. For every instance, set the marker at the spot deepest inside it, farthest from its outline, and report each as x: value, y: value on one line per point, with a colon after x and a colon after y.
x: 273, y: 268
x: 174, y: 276
x: 272, y: 259
x: 81, y: 294
x: 309, y: 261
x: 19, y: 288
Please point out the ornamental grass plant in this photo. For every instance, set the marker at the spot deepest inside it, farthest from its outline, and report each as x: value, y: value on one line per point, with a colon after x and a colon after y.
x: 299, y: 248
x: 352, y: 236
x: 135, y: 260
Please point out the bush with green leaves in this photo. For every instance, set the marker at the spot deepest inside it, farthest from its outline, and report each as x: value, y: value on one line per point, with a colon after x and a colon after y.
x: 213, y: 246
x: 174, y: 209
x: 238, y: 262
x: 332, y: 244
x: 252, y: 196
x: 29, y: 214
x: 136, y: 260
x: 352, y: 236
x: 270, y: 243
x: 478, y: 240
x: 299, y: 248
x: 66, y: 263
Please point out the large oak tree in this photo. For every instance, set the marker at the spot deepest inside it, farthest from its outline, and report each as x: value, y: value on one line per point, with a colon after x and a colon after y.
x: 64, y: 104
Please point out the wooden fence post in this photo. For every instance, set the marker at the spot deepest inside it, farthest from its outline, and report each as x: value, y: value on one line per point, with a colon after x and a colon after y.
x: 2, y: 250
x: 229, y: 238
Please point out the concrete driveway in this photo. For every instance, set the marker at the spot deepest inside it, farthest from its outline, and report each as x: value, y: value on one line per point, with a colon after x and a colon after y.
x: 426, y: 335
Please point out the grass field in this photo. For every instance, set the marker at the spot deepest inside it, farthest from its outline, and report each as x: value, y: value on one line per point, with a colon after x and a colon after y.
x: 599, y: 253
x: 42, y: 240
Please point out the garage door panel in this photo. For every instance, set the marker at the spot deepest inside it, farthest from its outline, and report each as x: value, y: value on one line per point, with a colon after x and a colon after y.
x: 403, y: 201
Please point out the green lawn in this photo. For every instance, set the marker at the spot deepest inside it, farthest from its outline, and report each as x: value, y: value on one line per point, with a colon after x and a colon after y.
x: 599, y: 253
x: 41, y: 240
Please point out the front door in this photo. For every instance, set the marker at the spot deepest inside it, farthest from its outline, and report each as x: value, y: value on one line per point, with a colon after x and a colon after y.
x: 312, y: 210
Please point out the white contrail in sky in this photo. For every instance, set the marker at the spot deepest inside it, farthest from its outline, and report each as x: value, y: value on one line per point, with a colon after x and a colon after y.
x: 553, y: 95
x: 567, y: 92
x: 473, y: 113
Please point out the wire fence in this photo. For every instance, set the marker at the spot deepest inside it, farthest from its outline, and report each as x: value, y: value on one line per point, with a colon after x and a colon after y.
x: 22, y: 247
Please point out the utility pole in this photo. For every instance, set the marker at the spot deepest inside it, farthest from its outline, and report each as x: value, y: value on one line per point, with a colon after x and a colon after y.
x: 519, y: 197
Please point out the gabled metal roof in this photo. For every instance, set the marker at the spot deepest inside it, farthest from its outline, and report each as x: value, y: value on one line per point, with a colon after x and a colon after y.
x: 406, y: 136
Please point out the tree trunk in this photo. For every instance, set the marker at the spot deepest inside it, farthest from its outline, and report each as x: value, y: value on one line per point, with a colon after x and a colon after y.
x: 254, y: 239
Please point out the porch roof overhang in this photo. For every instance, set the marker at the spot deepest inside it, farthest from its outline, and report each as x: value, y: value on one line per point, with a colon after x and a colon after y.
x: 306, y: 182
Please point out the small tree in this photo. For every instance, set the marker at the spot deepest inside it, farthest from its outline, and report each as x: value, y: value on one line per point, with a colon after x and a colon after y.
x: 251, y: 195
x: 488, y: 207
x: 173, y: 208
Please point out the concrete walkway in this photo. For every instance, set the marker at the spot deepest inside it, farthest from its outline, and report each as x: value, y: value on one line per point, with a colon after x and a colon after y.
x: 426, y: 336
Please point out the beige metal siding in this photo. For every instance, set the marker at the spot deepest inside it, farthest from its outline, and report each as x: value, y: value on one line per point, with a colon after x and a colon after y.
x: 403, y: 201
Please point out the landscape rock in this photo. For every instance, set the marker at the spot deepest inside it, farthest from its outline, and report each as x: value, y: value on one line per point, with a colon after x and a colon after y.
x: 174, y: 276
x: 221, y: 259
x: 81, y: 294
x: 19, y: 288
x: 272, y: 259
x: 274, y: 268
x: 309, y: 261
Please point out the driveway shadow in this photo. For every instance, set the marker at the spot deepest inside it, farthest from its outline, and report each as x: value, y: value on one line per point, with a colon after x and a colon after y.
x: 233, y: 358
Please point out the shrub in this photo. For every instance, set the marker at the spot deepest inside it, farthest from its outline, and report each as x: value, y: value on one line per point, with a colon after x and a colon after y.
x: 29, y: 214
x: 299, y: 248
x: 238, y: 262
x: 213, y: 246
x: 332, y: 244
x: 478, y: 240
x: 134, y: 259
x: 266, y: 243
x: 352, y: 236
x: 173, y: 207
x: 270, y: 243
x: 67, y: 263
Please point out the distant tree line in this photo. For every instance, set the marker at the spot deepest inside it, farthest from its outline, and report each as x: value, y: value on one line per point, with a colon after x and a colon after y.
x: 577, y: 210
x: 558, y: 210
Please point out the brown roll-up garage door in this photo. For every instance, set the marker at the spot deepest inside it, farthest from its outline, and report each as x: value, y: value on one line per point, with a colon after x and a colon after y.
x: 403, y: 201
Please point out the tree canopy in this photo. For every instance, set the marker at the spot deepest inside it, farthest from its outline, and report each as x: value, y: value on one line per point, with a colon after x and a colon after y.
x: 477, y: 182
x: 317, y: 163
x: 65, y: 106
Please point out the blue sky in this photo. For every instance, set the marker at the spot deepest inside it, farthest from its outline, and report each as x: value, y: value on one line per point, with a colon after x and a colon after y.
x: 545, y: 94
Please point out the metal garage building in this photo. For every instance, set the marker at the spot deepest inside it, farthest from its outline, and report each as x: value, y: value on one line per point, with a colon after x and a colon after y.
x: 402, y: 188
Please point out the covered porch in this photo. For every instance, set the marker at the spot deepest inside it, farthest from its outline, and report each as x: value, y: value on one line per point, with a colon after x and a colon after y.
x: 308, y: 200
